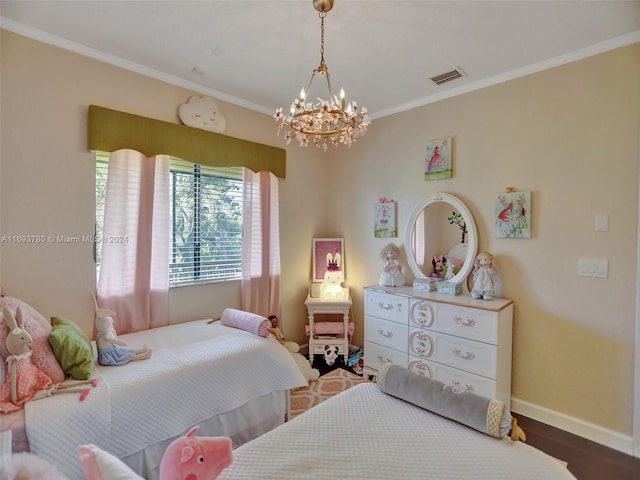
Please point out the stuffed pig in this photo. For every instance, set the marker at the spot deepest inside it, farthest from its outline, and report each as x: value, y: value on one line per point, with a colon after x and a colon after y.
x: 196, y: 457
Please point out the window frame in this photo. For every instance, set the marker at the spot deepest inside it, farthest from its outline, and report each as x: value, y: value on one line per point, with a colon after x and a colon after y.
x: 200, y: 172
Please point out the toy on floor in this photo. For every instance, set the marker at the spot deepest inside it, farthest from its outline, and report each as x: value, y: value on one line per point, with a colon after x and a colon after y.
x: 330, y: 354
x: 191, y: 457
x: 310, y: 374
x: 110, y: 351
x: 23, y: 378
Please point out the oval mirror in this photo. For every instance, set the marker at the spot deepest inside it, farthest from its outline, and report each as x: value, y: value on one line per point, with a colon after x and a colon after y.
x: 441, y: 225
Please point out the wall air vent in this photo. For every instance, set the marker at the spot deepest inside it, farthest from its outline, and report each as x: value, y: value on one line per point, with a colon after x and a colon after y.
x: 447, y: 77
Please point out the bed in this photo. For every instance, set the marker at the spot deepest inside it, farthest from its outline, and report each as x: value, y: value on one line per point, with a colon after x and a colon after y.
x: 365, y: 433
x: 229, y: 381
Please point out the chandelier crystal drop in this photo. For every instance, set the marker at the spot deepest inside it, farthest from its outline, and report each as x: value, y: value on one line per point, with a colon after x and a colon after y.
x: 326, y: 121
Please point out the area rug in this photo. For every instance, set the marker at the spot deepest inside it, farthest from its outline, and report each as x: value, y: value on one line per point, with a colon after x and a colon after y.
x: 328, y: 385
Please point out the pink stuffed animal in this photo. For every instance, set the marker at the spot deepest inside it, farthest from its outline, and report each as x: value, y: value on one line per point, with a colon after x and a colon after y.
x: 196, y: 458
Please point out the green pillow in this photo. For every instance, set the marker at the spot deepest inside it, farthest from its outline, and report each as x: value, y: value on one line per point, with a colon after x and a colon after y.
x: 72, y: 348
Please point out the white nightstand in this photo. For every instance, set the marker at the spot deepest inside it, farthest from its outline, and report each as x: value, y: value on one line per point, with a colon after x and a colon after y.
x: 323, y: 304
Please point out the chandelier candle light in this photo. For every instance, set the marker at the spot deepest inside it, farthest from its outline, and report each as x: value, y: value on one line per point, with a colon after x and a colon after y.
x: 332, y: 120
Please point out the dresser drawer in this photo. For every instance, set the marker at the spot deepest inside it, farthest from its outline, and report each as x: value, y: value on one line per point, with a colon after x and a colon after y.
x: 375, y: 356
x: 387, y: 306
x: 386, y: 333
x: 451, y: 376
x: 481, y: 325
x: 475, y: 357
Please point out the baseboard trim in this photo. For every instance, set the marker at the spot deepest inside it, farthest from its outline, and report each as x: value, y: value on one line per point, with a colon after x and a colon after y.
x: 590, y: 431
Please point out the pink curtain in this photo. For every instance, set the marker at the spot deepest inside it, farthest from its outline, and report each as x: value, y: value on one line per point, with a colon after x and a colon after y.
x: 260, y: 244
x: 134, y: 275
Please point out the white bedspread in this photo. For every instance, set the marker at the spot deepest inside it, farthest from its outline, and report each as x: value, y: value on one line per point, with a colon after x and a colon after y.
x: 196, y: 371
x: 365, y: 434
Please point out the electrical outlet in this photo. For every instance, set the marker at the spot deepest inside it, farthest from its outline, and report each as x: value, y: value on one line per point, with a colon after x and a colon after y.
x: 593, y: 267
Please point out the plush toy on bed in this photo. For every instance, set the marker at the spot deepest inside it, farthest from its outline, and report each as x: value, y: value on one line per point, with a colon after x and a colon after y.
x: 310, y: 374
x: 23, y: 378
x: 192, y: 457
x: 110, y: 351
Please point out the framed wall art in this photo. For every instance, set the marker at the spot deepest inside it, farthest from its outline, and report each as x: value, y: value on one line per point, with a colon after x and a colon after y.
x: 437, y: 160
x: 385, y: 224
x: 513, y: 215
x: 326, y: 251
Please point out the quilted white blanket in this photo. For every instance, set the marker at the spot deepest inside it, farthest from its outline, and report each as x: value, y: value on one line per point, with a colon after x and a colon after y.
x: 364, y: 433
x: 197, y: 370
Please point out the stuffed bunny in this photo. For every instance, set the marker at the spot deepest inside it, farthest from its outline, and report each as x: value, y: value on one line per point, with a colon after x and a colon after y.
x: 23, y: 379
x: 110, y: 351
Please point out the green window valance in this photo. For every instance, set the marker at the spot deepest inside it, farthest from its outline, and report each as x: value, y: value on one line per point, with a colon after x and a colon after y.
x: 111, y: 130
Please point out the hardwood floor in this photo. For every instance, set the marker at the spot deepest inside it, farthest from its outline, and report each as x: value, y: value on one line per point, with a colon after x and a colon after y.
x: 587, y: 460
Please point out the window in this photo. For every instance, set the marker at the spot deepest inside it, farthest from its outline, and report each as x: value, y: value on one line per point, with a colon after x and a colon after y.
x: 206, y: 220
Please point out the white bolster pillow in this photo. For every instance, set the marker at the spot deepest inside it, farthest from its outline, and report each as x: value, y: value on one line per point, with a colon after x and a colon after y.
x: 256, y: 324
x: 484, y: 414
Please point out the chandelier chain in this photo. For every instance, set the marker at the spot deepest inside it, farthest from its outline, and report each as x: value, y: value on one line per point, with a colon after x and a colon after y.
x: 323, y: 65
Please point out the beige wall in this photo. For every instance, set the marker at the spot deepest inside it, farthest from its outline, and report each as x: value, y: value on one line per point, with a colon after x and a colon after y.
x: 569, y: 135
x: 47, y: 182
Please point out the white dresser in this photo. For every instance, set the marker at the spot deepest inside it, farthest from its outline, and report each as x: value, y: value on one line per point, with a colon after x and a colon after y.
x: 456, y: 340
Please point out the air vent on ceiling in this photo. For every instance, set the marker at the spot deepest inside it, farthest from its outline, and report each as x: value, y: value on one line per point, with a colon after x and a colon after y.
x: 447, y: 77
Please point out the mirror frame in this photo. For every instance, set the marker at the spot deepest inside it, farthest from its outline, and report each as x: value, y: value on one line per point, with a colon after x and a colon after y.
x: 472, y: 235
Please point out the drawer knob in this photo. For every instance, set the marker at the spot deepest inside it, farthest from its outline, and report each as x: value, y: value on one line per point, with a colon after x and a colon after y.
x: 385, y: 306
x: 384, y: 359
x: 469, y: 322
x: 466, y: 356
x: 387, y: 334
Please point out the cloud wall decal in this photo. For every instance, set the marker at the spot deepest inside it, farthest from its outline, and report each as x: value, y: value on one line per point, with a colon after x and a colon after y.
x: 202, y: 113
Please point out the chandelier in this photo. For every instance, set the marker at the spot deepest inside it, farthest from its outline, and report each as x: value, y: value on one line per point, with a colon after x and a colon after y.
x: 333, y: 120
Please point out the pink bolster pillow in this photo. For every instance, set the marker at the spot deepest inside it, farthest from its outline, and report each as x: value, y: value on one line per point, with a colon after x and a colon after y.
x: 250, y: 322
x: 329, y: 328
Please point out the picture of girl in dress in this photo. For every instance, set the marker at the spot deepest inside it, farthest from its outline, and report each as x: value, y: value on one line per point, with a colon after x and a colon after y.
x: 438, y: 160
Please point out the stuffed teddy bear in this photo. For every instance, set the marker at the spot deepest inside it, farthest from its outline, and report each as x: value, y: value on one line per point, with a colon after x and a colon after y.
x: 391, y: 275
x: 191, y: 457
x: 310, y: 374
x: 23, y: 378
x: 110, y: 351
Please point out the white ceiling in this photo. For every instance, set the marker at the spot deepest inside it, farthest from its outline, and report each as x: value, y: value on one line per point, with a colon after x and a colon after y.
x: 259, y: 54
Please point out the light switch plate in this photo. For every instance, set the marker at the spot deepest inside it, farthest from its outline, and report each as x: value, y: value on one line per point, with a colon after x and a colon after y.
x: 602, y: 222
x: 593, y: 267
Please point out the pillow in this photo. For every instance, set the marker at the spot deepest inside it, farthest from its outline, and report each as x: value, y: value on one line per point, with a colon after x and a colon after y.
x: 100, y: 465
x: 39, y: 329
x: 27, y: 465
x: 484, y: 414
x: 72, y: 348
x: 248, y: 321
